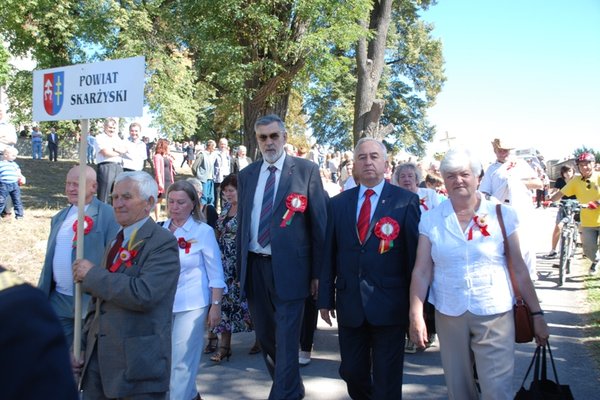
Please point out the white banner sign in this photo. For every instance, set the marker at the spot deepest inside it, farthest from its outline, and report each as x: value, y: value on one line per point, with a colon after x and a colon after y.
x: 104, y: 89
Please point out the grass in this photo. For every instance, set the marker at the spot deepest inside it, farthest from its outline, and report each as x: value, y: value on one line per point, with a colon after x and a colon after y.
x: 592, y: 284
x: 24, y: 241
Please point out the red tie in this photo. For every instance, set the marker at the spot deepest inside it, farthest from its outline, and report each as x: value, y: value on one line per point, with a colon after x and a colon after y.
x: 112, y: 253
x: 364, y: 216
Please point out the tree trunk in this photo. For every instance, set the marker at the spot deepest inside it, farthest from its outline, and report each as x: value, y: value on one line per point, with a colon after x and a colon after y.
x: 370, y: 63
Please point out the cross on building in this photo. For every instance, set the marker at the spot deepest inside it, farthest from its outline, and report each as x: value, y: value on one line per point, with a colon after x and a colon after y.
x: 448, y: 139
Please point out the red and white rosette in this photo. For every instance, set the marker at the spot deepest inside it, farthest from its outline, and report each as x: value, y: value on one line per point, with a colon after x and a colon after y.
x: 126, y: 257
x: 88, y: 224
x: 295, y: 203
x: 386, y: 229
x: 481, y: 223
x: 185, y: 244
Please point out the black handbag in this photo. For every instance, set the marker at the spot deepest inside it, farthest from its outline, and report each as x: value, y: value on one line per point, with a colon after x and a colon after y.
x: 541, y: 387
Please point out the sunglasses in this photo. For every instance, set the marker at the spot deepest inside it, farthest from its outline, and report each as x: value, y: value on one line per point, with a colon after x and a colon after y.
x: 273, y: 136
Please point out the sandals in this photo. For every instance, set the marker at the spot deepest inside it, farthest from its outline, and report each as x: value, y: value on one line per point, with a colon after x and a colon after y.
x: 224, y: 352
x: 211, y: 347
x: 255, y: 349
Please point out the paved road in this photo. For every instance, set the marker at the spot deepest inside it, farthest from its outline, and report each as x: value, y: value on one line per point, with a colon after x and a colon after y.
x: 244, y: 376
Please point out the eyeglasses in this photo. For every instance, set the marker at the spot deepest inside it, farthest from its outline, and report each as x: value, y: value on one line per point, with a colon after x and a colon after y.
x: 589, y: 184
x: 273, y: 136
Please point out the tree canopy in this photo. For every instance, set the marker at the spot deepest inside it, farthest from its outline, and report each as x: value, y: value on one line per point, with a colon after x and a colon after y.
x: 212, y: 67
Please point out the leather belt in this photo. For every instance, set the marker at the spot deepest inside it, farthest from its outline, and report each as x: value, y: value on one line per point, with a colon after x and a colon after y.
x: 260, y: 255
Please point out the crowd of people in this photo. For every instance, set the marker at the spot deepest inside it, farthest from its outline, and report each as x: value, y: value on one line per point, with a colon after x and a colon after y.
x: 402, y: 256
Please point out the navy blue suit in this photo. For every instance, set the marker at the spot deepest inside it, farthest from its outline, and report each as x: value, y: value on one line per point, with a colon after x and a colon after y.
x: 370, y: 291
x: 277, y: 286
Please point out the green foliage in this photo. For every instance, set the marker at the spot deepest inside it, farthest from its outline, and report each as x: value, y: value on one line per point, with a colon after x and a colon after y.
x: 4, y: 66
x: 19, y: 90
x: 412, y: 79
x: 212, y: 66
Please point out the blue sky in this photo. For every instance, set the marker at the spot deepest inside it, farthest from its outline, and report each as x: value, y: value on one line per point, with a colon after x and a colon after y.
x: 527, y: 71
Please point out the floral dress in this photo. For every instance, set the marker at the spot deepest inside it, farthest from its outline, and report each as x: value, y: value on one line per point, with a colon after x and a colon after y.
x: 235, y: 314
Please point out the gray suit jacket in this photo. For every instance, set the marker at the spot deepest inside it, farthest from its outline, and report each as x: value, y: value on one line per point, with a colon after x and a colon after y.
x: 104, y: 230
x: 129, y: 317
x: 296, y: 249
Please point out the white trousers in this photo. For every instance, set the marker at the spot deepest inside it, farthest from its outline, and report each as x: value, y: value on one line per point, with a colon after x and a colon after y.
x: 187, y: 342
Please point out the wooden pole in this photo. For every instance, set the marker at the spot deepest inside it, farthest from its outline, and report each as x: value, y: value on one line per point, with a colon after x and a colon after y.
x: 85, y: 127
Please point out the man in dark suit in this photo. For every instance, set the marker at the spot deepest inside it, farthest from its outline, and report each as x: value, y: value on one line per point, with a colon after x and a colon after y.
x: 52, y: 145
x: 128, y: 326
x: 282, y: 217
x: 34, y: 359
x: 56, y: 279
x: 370, y: 250
x: 241, y: 160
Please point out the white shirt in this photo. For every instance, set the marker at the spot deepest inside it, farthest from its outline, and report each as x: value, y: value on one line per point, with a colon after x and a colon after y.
x: 8, y: 135
x: 242, y: 162
x: 428, y: 197
x: 257, y: 205
x: 135, y: 156
x: 201, y: 267
x: 469, y: 275
x: 103, y: 141
x: 504, y: 181
x: 224, y: 165
x: 62, y: 270
x: 374, y: 198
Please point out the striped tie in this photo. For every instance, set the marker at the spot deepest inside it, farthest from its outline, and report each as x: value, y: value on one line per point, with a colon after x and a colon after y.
x: 264, y: 226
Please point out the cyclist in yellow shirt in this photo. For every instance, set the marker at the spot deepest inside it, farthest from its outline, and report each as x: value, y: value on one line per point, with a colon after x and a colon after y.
x: 586, y: 188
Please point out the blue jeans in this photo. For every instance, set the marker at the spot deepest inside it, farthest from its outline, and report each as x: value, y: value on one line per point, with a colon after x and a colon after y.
x: 14, y: 191
x: 36, y: 150
x: 91, y: 154
x: 208, y: 192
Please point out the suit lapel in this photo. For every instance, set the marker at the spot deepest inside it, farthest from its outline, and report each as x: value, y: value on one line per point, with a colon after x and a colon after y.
x: 253, y: 174
x: 381, y: 210
x: 284, y: 181
x: 351, y: 209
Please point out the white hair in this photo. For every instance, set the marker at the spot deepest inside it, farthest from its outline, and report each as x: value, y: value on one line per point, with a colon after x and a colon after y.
x: 146, y: 185
x: 370, y: 139
x: 457, y: 158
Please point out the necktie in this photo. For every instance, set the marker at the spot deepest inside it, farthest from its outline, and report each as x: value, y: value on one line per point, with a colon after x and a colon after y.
x: 364, y: 217
x: 112, y: 253
x: 264, y: 226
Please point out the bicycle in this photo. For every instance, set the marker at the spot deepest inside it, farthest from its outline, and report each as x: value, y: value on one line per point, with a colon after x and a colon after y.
x: 569, y: 235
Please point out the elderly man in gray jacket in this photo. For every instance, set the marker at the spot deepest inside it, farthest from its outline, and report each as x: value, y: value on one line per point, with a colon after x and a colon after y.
x: 128, y: 327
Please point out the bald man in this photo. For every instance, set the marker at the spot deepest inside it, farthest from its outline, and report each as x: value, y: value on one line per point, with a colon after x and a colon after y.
x: 56, y: 280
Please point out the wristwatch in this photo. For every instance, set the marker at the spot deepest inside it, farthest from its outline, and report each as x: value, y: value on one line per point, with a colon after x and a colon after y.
x: 216, y: 303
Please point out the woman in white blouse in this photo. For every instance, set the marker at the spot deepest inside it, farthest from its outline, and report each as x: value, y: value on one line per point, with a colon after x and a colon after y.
x: 461, y: 255
x: 199, y: 289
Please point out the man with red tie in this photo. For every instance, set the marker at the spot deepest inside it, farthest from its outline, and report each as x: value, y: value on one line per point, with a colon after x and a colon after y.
x: 370, y: 250
x: 127, y: 334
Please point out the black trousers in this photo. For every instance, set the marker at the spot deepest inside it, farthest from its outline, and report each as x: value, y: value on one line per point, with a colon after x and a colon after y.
x: 107, y: 173
x: 372, y: 361
x: 277, y: 324
x: 309, y: 324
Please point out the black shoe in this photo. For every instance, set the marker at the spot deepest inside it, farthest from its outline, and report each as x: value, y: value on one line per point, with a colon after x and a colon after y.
x: 552, y: 254
x: 593, y: 268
